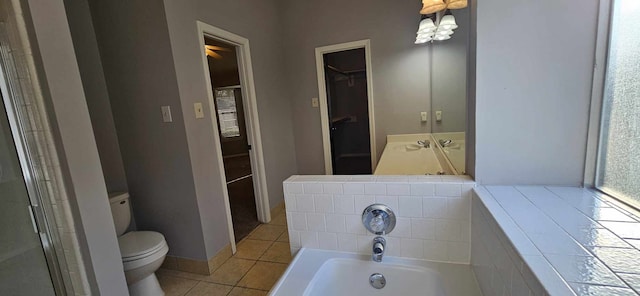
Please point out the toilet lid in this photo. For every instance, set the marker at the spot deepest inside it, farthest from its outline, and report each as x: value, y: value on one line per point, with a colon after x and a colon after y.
x: 134, y: 244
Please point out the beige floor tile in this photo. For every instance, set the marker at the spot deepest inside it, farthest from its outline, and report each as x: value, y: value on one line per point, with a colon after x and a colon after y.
x: 281, y: 219
x: 231, y: 271
x: 175, y: 286
x: 181, y: 274
x: 237, y: 291
x: 263, y: 275
x: 251, y: 249
x: 278, y: 252
x: 209, y: 289
x: 267, y: 232
x: 284, y: 237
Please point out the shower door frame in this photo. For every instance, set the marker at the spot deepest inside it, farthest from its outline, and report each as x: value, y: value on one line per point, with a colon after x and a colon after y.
x: 41, y: 213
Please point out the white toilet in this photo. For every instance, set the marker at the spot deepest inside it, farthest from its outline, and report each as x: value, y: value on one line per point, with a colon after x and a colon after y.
x: 142, y: 251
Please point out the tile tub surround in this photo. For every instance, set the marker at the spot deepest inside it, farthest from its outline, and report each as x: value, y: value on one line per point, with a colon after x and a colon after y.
x: 433, y: 214
x: 575, y: 241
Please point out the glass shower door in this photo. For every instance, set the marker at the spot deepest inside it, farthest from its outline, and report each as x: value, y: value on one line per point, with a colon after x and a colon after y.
x: 23, y: 267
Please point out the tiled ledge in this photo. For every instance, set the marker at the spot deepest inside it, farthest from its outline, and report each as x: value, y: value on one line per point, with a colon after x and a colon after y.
x: 573, y: 240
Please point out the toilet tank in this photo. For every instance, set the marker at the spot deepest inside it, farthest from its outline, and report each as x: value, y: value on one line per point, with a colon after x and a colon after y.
x: 120, y: 210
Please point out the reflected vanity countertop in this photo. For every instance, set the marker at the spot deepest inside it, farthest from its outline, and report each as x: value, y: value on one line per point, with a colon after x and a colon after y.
x: 576, y: 241
x: 404, y: 156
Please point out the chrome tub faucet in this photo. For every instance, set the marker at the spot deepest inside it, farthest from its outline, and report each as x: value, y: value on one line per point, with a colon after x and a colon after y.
x: 378, y: 248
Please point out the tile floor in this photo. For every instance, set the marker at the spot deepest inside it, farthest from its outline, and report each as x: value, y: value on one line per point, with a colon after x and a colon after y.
x: 260, y: 260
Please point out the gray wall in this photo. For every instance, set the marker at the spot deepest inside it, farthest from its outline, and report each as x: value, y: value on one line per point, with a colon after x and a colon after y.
x: 259, y: 22
x: 95, y: 89
x: 449, y: 77
x: 138, y: 67
x: 78, y: 153
x: 534, y: 75
x: 400, y: 68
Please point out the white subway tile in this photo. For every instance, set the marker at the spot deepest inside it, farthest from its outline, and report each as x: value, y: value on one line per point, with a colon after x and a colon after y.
x: 294, y: 238
x: 410, y: 206
x: 293, y: 188
x: 423, y: 228
x: 398, y: 189
x: 435, y: 250
x: 362, y: 202
x: 335, y: 223
x: 389, y: 201
x: 458, y: 252
x: 466, y: 190
x: 327, y: 241
x: 298, y: 221
x: 434, y: 207
x: 449, y: 230
x: 402, y: 229
x: 393, y: 247
x: 315, y: 222
x: 354, y: 224
x: 375, y: 188
x: 344, y: 204
x: 365, y: 244
x: 347, y: 242
x: 332, y: 188
x: 290, y: 202
x: 422, y: 189
x: 310, y: 188
x: 459, y: 208
x: 309, y: 239
x: 452, y: 190
x: 323, y: 203
x: 353, y: 188
x: 412, y: 248
x: 304, y: 203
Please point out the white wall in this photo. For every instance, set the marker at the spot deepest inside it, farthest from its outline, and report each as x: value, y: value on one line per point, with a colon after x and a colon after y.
x: 400, y: 68
x: 533, y: 87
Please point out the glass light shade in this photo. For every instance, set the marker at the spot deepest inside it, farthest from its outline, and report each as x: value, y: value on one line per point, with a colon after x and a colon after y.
x: 431, y: 6
x: 426, y: 25
x: 444, y: 33
x: 425, y: 35
x: 448, y: 22
x: 456, y: 4
x: 442, y: 37
x: 421, y: 41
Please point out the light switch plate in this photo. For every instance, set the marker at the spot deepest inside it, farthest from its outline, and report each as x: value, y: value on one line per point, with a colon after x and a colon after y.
x: 423, y: 116
x: 438, y: 116
x: 315, y: 103
x: 166, y: 113
x: 198, y: 109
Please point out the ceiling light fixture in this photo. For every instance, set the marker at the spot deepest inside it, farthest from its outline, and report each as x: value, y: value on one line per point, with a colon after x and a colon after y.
x: 438, y: 30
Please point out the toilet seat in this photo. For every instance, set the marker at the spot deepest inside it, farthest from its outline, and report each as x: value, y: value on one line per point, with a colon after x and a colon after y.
x: 137, y: 245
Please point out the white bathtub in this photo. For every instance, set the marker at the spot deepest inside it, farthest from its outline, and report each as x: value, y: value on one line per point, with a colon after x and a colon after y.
x: 319, y: 272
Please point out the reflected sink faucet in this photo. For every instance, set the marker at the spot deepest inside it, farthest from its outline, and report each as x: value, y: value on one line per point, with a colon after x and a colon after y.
x: 425, y: 143
x: 378, y: 248
x: 445, y: 143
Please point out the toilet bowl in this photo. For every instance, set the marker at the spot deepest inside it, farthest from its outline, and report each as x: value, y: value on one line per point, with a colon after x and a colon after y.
x: 142, y: 251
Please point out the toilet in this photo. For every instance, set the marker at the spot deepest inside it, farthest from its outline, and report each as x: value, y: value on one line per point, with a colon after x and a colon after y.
x: 142, y: 251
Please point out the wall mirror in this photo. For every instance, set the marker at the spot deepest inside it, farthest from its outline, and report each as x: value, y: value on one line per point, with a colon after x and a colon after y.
x: 400, y: 112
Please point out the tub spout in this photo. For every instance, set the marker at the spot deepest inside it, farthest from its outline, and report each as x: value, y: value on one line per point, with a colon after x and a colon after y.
x: 378, y: 248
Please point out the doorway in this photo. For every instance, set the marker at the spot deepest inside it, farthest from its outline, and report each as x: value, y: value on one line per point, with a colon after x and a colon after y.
x: 224, y: 73
x: 344, y: 78
x: 236, y: 132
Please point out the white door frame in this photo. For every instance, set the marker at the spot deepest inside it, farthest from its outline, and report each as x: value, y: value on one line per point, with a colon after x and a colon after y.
x: 324, y: 111
x: 251, y: 119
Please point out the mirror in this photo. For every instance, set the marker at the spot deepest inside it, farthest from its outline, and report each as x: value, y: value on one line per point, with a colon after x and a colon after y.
x: 416, y: 103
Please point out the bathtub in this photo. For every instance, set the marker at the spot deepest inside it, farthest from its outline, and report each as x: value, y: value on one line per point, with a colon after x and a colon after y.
x: 319, y: 272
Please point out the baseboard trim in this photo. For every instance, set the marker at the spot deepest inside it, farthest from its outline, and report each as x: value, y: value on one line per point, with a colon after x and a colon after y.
x: 197, y: 266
